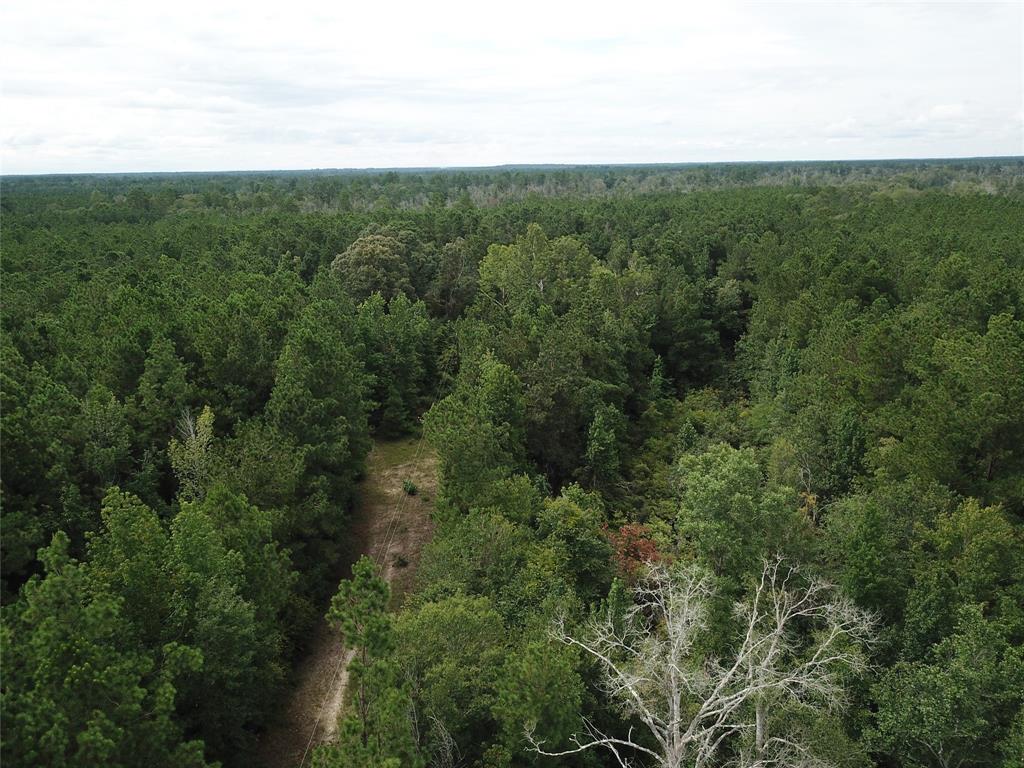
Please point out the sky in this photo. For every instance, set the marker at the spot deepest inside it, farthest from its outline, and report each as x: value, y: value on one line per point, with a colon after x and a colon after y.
x: 172, y: 86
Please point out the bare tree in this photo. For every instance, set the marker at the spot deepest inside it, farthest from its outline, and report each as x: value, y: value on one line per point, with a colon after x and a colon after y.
x: 446, y: 752
x: 797, y: 639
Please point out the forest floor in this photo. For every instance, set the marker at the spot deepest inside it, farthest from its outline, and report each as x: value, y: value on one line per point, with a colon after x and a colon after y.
x: 391, y: 527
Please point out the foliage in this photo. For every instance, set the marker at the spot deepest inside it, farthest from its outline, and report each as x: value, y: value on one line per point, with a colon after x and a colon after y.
x: 632, y: 549
x: 78, y: 689
x: 696, y: 365
x: 376, y: 731
x: 190, y: 457
x: 374, y: 263
x: 732, y: 517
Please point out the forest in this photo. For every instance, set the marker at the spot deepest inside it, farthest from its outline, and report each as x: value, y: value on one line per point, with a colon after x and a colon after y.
x: 730, y: 463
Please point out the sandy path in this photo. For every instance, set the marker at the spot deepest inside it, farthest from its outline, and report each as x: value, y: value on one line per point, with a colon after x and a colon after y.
x: 391, y: 527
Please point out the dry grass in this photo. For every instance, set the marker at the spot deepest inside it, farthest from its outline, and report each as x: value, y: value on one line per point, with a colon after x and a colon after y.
x: 395, y: 525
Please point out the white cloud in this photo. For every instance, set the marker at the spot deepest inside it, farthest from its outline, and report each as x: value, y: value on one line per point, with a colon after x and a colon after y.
x: 203, y: 86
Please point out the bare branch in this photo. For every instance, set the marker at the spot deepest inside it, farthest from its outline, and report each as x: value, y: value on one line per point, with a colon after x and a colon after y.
x: 692, y: 705
x: 595, y: 739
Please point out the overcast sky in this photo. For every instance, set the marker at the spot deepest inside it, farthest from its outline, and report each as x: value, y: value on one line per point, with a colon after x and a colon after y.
x: 147, y: 86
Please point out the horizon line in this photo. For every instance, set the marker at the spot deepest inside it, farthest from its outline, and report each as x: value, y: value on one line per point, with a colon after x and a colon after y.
x: 513, y: 166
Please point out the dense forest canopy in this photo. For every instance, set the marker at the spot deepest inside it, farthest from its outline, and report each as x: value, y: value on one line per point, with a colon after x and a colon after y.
x: 748, y: 382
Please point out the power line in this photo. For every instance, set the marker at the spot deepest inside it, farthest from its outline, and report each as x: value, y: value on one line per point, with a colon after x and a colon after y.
x: 379, y: 561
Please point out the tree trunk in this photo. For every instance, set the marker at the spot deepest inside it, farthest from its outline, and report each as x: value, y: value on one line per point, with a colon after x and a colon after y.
x: 759, y: 729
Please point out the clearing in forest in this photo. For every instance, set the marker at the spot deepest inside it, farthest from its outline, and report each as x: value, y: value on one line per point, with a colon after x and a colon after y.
x: 391, y: 526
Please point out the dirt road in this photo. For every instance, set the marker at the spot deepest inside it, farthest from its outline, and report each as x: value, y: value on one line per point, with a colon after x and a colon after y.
x: 390, y: 526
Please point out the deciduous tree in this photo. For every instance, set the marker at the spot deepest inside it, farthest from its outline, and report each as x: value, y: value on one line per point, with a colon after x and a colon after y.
x: 692, y: 708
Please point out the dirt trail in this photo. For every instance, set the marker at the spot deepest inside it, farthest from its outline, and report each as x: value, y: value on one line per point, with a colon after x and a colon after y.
x: 386, y: 520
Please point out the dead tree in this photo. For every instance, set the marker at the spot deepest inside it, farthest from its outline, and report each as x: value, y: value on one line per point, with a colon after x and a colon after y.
x: 796, y: 639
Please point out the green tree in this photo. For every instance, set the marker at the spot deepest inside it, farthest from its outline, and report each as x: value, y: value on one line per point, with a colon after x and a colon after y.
x: 478, y: 430
x: 457, y: 274
x: 192, y: 457
x: 212, y: 615
x: 78, y: 688
x: 105, y: 438
x: 38, y: 417
x: 318, y: 405
x: 538, y: 686
x: 163, y: 393
x: 968, y: 555
x: 573, y: 525
x: 604, y: 437
x: 376, y: 730
x: 955, y: 707
x: 240, y: 336
x: 216, y: 583
x: 375, y: 263
x: 397, y: 342
x: 129, y: 556
x: 262, y: 464
x: 732, y: 517
x: 964, y: 427
x: 452, y: 651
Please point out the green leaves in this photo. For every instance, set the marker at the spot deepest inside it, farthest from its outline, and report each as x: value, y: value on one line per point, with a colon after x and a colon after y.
x: 377, y: 729
x: 944, y: 710
x: 398, y: 350
x: 538, y: 686
x: 317, y: 406
x: 191, y: 457
x: 375, y: 263
x: 478, y: 430
x: 359, y: 610
x: 79, y: 689
x: 159, y: 629
x: 452, y: 650
x: 240, y: 335
x: 839, y: 366
x: 317, y: 399
x: 732, y: 517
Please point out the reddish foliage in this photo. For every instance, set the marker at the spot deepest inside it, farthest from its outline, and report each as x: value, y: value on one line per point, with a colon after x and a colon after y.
x: 632, y: 547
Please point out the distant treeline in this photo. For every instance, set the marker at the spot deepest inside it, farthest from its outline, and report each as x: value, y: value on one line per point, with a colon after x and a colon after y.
x: 157, y: 194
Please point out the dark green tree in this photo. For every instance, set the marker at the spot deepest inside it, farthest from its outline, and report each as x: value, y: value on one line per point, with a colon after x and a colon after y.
x: 376, y: 730
x: 79, y: 690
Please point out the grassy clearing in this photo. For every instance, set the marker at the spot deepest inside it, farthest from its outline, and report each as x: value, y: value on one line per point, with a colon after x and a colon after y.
x: 391, y: 527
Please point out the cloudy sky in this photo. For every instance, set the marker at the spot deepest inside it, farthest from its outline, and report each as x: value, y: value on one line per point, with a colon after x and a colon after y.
x: 140, y: 86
